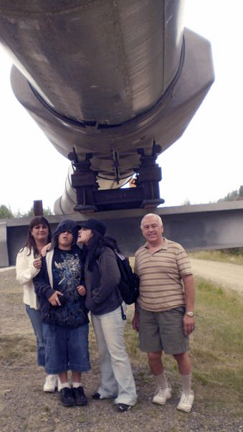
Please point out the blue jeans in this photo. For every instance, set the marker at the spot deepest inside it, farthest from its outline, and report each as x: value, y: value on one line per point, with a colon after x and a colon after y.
x: 66, y: 348
x: 116, y: 373
x: 35, y: 319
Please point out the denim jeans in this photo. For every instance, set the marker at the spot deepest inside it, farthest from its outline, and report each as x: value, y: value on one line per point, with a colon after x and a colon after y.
x: 35, y: 319
x: 116, y: 373
x: 66, y: 348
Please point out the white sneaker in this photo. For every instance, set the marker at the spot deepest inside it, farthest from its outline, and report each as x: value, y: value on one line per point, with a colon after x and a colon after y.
x: 50, y: 384
x: 162, y: 396
x: 186, y: 402
x: 58, y: 383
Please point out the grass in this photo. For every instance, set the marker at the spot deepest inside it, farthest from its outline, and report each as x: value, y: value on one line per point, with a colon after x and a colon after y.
x: 216, y: 351
x: 234, y: 256
x: 216, y: 348
x: 15, y: 349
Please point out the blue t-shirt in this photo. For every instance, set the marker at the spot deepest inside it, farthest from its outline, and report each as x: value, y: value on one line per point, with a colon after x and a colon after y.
x: 66, y: 271
x: 67, y: 274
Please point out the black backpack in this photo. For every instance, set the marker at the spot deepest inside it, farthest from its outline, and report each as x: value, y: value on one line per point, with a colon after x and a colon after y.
x: 129, y: 284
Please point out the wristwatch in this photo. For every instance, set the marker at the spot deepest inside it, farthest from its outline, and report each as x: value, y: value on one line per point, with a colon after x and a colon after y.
x: 190, y: 314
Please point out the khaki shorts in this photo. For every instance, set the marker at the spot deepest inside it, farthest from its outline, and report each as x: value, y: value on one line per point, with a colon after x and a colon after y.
x: 163, y: 331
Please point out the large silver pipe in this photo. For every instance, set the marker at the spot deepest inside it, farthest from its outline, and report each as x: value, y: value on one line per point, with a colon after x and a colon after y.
x: 106, y: 77
x: 95, y: 61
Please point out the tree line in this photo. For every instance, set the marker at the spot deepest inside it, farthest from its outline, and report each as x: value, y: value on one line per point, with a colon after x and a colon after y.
x: 6, y: 212
x: 235, y: 195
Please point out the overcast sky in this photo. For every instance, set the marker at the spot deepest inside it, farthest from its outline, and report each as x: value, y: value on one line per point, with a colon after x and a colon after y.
x: 203, y: 166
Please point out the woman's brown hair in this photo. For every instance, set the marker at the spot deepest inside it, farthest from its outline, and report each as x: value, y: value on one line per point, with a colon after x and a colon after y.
x: 30, y: 241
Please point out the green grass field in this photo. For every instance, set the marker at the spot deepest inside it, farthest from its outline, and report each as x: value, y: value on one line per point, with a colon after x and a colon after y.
x: 216, y: 348
x: 235, y: 256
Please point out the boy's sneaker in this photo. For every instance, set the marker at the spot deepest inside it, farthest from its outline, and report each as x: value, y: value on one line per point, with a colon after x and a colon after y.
x: 186, y: 402
x: 79, y: 396
x: 67, y: 397
x: 121, y: 407
x: 50, y: 385
x: 162, y: 396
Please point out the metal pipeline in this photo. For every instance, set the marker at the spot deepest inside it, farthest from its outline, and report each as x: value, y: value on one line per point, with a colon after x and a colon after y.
x: 106, y: 77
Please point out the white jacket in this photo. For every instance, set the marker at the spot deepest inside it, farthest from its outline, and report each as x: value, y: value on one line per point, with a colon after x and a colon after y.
x: 25, y: 272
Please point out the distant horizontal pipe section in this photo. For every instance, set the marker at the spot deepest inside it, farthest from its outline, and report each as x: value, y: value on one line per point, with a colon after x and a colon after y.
x: 196, y: 227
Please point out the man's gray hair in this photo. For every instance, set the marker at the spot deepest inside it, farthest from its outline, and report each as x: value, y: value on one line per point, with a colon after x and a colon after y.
x: 149, y: 215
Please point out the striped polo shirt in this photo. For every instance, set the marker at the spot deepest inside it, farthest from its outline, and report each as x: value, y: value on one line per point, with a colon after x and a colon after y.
x: 161, y: 286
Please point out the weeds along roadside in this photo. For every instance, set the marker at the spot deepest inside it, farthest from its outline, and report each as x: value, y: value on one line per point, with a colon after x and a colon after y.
x: 216, y: 348
x: 232, y: 256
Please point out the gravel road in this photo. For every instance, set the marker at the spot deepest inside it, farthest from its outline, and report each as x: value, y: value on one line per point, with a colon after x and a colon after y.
x: 227, y: 275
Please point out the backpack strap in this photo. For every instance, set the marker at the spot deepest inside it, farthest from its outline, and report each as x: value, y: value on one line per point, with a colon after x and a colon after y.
x: 124, y: 317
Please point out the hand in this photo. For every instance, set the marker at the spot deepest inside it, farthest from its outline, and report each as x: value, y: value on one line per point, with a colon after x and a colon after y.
x: 54, y: 299
x: 45, y: 249
x: 135, y: 321
x: 81, y: 290
x: 37, y: 263
x: 188, y: 324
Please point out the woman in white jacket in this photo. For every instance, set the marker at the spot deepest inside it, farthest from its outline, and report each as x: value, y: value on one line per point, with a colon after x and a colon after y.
x: 28, y: 265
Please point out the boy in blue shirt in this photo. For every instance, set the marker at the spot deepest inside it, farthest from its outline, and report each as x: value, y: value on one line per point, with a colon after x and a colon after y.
x: 64, y: 316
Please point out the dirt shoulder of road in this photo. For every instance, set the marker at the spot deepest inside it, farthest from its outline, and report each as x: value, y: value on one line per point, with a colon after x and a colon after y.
x: 229, y: 276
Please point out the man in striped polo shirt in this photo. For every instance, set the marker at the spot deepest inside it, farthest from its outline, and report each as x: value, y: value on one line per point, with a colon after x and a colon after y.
x: 164, y: 315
